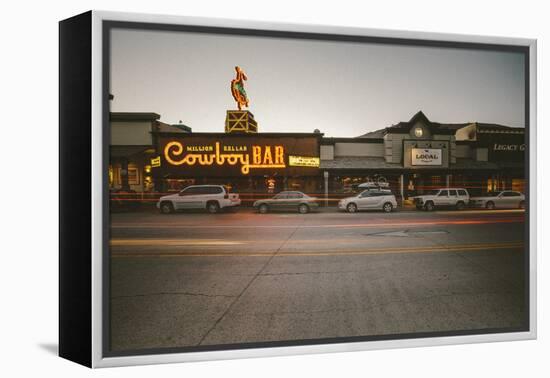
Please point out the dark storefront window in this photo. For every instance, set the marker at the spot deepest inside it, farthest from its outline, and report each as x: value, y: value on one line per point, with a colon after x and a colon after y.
x: 175, y: 185
x: 349, y: 183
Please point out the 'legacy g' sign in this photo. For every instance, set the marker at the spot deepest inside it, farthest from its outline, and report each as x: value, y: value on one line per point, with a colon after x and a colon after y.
x: 426, y: 156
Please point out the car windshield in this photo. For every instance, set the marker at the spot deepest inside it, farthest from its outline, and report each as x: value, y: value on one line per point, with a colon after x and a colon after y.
x: 493, y: 194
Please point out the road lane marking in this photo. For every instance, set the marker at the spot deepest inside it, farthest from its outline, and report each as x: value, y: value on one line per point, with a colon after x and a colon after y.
x: 374, y: 251
x: 176, y: 242
x: 349, y: 225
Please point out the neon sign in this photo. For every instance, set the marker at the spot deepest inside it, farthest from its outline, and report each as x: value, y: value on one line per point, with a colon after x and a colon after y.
x: 303, y: 161
x: 155, y: 162
x: 237, y: 88
x: 256, y: 157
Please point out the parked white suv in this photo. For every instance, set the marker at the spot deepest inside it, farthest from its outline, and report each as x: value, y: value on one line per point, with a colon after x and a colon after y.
x: 213, y: 198
x: 369, y: 200
x: 448, y: 197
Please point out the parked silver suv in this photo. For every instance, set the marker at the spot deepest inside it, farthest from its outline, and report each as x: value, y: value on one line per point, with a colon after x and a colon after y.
x: 213, y: 198
x: 445, y: 197
x: 369, y: 200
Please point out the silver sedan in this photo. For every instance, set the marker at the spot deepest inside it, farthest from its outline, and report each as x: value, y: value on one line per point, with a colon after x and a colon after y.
x: 506, y: 199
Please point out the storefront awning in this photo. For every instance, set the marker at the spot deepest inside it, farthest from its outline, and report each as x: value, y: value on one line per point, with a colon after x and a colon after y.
x: 359, y: 162
x: 470, y: 165
x: 379, y: 163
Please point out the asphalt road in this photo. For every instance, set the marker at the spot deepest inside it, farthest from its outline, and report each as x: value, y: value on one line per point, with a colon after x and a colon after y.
x: 193, y: 279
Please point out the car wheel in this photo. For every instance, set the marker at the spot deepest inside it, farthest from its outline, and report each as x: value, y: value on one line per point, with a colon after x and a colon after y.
x: 490, y: 205
x: 429, y: 206
x: 166, y: 208
x: 460, y: 205
x: 522, y: 205
x: 352, y: 208
x: 388, y: 207
x: 263, y: 209
x: 303, y: 208
x: 213, y: 207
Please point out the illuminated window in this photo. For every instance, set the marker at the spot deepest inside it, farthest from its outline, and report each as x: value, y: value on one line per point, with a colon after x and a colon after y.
x: 518, y: 185
x: 111, y: 175
x: 133, y: 176
x: 116, y: 175
x: 492, y: 185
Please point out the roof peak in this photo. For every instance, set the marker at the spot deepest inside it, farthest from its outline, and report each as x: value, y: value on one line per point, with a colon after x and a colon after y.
x: 419, y: 116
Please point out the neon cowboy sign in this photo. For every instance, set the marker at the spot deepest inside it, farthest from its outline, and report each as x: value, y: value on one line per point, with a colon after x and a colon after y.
x: 247, y: 157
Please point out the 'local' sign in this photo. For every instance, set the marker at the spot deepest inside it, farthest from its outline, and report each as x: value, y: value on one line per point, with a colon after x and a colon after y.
x: 426, y: 156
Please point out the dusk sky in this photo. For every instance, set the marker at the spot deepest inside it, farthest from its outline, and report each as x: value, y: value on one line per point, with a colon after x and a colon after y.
x: 343, y: 89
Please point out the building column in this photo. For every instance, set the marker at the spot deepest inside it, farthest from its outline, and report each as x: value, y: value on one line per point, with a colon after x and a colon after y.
x: 325, y: 175
x: 448, y: 181
x: 402, y: 186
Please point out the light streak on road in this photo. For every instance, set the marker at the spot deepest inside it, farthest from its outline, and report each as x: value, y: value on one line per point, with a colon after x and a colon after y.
x: 340, y: 252
x: 173, y: 242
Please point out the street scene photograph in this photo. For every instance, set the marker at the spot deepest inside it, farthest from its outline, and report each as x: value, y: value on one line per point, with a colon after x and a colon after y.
x: 273, y: 190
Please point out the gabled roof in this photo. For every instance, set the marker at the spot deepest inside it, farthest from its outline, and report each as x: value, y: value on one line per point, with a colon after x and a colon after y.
x: 377, y: 134
x: 419, y: 116
x: 404, y: 127
x: 493, y: 127
x: 435, y: 127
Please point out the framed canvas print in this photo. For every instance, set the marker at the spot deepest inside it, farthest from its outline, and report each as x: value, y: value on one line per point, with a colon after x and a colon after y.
x: 233, y: 189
